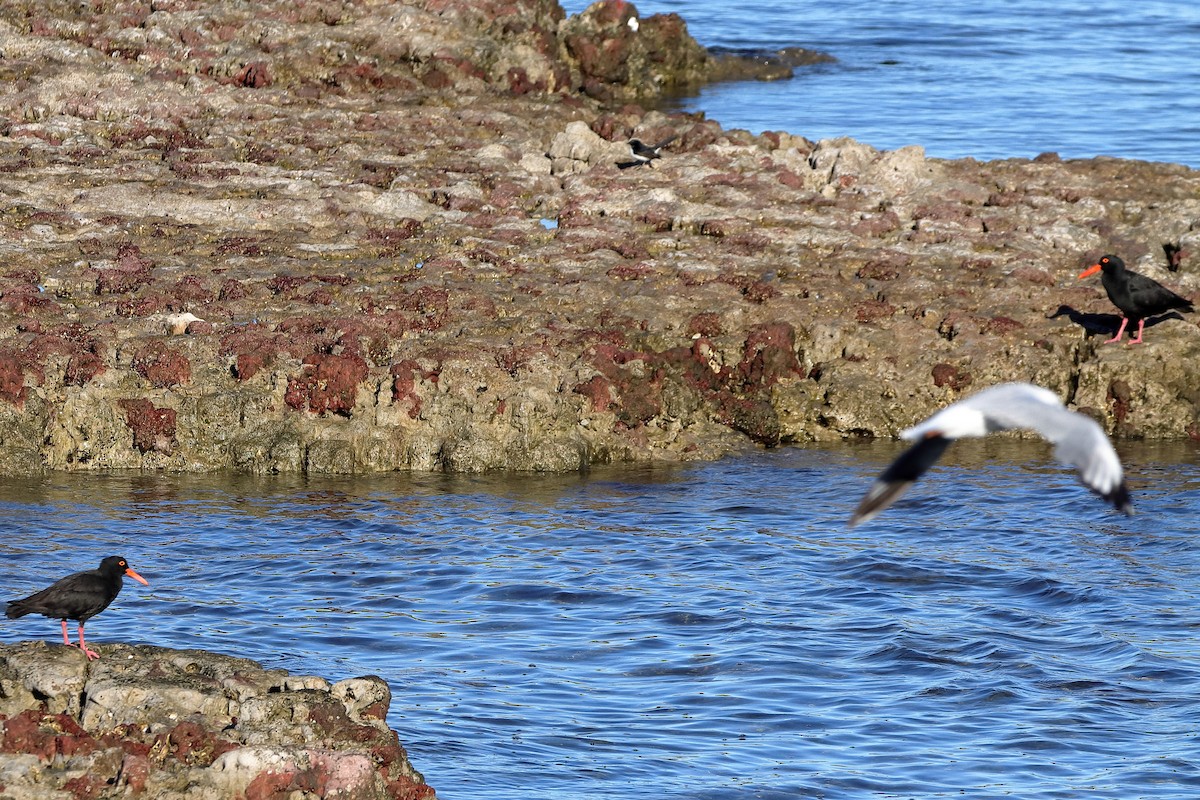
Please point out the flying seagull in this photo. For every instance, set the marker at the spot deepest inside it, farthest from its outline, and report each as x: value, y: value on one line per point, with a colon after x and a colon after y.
x: 1078, y: 441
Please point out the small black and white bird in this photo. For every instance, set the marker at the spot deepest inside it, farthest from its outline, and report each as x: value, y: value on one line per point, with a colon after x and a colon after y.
x: 645, y: 153
x: 1078, y: 441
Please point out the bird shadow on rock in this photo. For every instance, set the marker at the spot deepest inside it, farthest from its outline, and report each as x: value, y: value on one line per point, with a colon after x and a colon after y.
x: 1104, y: 323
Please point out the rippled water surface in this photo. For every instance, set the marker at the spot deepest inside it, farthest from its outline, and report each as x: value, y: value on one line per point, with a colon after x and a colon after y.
x: 709, y: 631
x: 964, y: 78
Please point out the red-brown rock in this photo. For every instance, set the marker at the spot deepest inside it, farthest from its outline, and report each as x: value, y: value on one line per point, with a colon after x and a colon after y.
x: 153, y: 428
x: 161, y: 366
x: 328, y: 383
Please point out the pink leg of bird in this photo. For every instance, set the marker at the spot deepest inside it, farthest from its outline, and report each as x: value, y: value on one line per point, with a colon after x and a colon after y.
x: 66, y: 639
x: 91, y: 654
x: 1141, y: 324
x: 1120, y: 331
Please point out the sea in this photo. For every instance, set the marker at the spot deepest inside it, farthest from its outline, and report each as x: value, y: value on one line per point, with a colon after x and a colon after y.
x: 1009, y: 79
x: 706, y: 631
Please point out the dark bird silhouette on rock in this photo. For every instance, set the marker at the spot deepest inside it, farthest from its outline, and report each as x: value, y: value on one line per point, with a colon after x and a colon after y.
x: 1092, y: 323
x: 1137, y: 296
x: 80, y: 597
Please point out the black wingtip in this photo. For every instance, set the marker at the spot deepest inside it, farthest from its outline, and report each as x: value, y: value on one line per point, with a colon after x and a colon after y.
x: 881, y: 495
x: 1119, y: 497
x: 900, y: 474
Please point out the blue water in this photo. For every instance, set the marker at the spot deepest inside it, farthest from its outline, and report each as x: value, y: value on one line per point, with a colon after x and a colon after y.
x: 707, y: 631
x: 965, y: 78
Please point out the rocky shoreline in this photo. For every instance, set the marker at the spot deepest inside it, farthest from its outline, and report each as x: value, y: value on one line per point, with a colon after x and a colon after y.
x: 349, y: 238
x: 148, y: 721
x: 352, y: 238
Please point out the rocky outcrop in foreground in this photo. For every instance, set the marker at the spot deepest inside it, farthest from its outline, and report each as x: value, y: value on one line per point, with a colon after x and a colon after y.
x: 152, y: 722
x: 380, y: 236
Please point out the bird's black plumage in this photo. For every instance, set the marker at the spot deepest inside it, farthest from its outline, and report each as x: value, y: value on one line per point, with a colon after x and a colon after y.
x: 78, y: 597
x: 1137, y: 296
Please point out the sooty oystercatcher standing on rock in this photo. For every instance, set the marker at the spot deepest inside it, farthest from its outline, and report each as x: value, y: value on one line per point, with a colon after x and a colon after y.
x: 1078, y: 440
x: 79, y: 597
x: 1136, y: 295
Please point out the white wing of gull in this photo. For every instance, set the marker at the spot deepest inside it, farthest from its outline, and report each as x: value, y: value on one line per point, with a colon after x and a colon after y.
x: 1078, y: 441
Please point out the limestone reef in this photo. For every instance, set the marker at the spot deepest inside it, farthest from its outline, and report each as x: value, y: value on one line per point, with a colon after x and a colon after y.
x: 349, y: 238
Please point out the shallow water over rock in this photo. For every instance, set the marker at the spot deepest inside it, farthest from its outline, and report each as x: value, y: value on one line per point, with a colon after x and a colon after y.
x: 703, y: 631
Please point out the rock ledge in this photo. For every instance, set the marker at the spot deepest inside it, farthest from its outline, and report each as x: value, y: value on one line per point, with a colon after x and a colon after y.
x: 159, y: 723
x: 373, y: 237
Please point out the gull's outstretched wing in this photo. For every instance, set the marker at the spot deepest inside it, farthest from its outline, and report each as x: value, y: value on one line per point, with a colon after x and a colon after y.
x: 1078, y: 440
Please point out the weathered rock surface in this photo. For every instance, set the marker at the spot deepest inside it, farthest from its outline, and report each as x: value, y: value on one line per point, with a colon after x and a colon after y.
x: 152, y: 722
x: 346, y: 237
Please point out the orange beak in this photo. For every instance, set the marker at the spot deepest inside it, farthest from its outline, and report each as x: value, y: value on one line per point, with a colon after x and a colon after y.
x: 129, y: 571
x: 1092, y: 270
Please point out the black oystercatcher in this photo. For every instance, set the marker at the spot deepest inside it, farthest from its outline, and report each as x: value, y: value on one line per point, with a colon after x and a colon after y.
x: 1078, y: 441
x: 79, y: 597
x: 1136, y: 295
x: 645, y: 153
